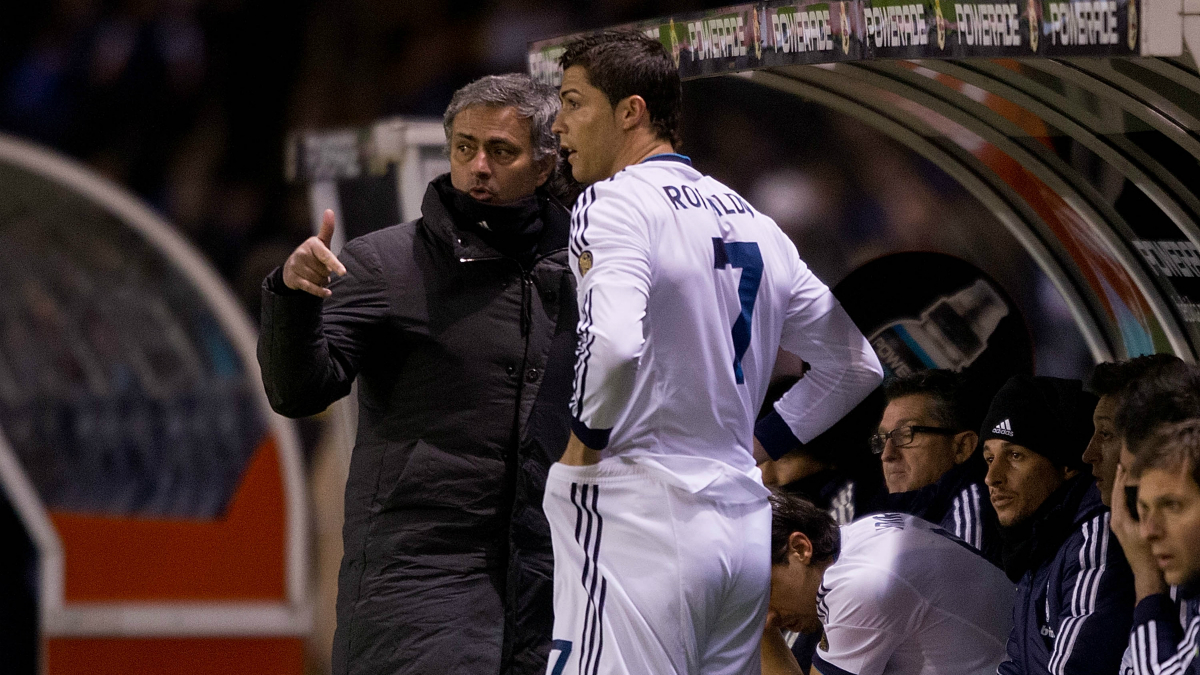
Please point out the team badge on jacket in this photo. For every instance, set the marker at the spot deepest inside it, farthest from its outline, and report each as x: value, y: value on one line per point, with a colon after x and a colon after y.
x: 585, y: 262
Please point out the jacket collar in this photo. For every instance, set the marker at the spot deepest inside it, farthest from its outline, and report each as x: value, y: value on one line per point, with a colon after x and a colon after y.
x: 933, y: 501
x: 466, y: 246
x: 1028, y: 545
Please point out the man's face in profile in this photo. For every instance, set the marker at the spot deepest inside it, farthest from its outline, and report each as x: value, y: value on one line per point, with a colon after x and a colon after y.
x: 491, y: 155
x: 587, y: 127
x: 1104, y: 449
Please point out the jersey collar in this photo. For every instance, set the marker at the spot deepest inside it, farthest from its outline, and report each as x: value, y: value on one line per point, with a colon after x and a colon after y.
x: 668, y: 157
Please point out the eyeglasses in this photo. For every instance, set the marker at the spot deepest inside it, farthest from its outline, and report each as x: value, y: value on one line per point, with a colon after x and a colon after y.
x: 902, y: 436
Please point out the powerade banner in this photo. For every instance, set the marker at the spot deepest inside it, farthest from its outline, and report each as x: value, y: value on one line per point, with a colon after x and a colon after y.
x: 766, y: 34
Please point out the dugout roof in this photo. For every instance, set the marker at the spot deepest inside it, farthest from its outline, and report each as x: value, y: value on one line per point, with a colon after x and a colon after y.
x: 1032, y: 107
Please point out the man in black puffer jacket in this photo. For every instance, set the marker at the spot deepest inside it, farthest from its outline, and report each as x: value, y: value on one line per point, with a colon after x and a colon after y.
x: 1074, y: 602
x: 460, y: 327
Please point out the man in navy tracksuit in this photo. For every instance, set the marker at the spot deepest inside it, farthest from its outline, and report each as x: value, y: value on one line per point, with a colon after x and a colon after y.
x: 1162, y: 458
x: 1074, y: 600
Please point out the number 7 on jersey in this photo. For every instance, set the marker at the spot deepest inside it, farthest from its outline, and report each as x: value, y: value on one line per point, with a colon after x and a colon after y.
x: 746, y: 256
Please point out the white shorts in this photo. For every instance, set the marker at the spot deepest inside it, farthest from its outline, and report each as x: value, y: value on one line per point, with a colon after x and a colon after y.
x: 651, y: 578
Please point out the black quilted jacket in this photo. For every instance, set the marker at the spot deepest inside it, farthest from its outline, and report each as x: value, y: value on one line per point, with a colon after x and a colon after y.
x: 463, y: 358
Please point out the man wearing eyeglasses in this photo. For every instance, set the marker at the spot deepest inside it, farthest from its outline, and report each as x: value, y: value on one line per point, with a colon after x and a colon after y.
x: 927, y: 445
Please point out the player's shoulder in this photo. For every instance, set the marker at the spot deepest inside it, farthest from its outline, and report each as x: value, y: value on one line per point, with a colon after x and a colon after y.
x: 873, y: 540
x: 631, y: 190
x: 881, y: 524
x: 1088, y: 545
x: 899, y: 539
x: 869, y: 574
x: 650, y: 178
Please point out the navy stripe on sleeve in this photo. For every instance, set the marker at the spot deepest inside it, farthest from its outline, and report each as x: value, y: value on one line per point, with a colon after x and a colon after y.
x: 775, y: 435
x: 596, y: 439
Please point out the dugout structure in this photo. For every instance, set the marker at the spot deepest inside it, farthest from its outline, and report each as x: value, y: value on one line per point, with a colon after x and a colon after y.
x: 159, y: 505
x: 1032, y: 106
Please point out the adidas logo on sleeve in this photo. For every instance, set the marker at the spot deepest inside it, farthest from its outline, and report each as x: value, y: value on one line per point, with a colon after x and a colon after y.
x: 1004, y: 428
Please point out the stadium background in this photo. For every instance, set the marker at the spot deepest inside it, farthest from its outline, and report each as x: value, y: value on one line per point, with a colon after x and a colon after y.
x: 188, y: 103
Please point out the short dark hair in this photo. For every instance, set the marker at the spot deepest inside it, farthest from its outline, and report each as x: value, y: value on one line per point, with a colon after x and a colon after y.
x: 795, y: 514
x: 628, y: 63
x: 1111, y: 378
x: 1171, y: 447
x: 946, y: 388
x: 1164, y: 393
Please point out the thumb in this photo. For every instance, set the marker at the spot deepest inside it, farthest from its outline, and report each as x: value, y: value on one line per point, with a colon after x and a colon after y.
x: 325, y: 234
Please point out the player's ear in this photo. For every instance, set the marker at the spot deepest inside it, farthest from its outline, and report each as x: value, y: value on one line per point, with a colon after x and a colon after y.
x: 800, y: 548
x: 964, y: 445
x: 545, y: 167
x: 631, y: 111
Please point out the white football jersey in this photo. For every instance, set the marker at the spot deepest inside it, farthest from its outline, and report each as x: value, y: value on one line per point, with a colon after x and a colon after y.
x: 686, y: 293
x: 906, y: 596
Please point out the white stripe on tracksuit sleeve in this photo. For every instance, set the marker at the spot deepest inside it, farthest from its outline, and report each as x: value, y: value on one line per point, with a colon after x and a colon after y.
x: 1092, y: 598
x: 1162, y: 641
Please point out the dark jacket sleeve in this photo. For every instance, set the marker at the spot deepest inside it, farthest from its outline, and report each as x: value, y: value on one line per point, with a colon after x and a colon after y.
x: 1096, y: 596
x: 1156, y: 643
x: 310, y: 349
x: 1013, y: 649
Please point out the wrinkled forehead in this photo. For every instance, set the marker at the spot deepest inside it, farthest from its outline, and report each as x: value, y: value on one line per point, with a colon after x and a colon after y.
x: 492, y: 123
x: 909, y: 408
x: 998, y: 445
x: 1170, y: 480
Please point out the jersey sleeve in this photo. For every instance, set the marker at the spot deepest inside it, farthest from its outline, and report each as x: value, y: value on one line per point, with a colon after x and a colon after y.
x: 610, y: 257
x: 1096, y: 602
x: 1158, y: 644
x: 865, y: 620
x: 844, y: 369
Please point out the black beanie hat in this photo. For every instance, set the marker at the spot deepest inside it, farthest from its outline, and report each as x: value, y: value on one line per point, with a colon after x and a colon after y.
x: 1049, y: 415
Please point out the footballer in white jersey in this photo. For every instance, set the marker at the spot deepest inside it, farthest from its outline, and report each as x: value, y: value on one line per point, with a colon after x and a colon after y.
x: 903, y: 596
x: 658, y: 516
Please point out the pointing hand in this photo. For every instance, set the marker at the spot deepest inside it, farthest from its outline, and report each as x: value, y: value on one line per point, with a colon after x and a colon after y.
x: 309, y: 267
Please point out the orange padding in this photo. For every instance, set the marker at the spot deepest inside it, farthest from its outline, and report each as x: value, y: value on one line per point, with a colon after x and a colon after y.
x: 237, y: 557
x: 175, y: 656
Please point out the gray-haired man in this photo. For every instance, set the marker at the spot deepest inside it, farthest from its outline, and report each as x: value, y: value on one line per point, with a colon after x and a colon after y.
x: 461, y: 329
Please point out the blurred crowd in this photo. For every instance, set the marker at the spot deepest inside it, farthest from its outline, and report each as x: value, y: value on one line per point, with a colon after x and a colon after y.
x: 189, y: 102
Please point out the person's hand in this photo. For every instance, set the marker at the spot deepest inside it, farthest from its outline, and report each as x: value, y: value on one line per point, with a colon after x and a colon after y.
x: 1147, y: 577
x: 777, y: 658
x: 760, y: 453
x: 772, y: 621
x: 309, y: 266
